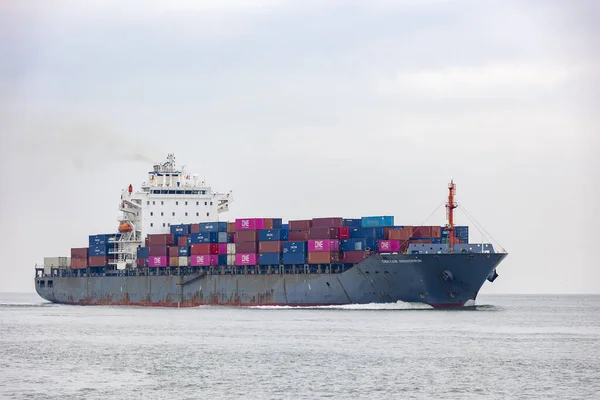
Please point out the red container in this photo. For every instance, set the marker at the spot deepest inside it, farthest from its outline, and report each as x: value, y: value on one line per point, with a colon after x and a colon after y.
x: 97, y: 261
x: 200, y: 248
x: 323, y: 245
x: 353, y: 257
x: 194, y: 228
x: 173, y: 251
x: 388, y: 246
x: 327, y: 222
x: 182, y: 241
x: 81, y: 252
x: 299, y: 225
x: 324, y: 233
x: 246, y: 236
x: 164, y: 239
x: 231, y: 227
x: 245, y: 247
x: 174, y: 261
x: 344, y: 232
x: 79, y: 263
x: 425, y: 232
x: 436, y: 231
x: 249, y: 224
x: 222, y: 248
x: 204, y: 260
x: 214, y: 248
x: 158, y: 250
x: 420, y: 241
x: 246, y: 259
x: 141, y: 262
x: 323, y: 257
x: 146, y: 241
x: 301, y: 236
x: 157, y: 261
x: 398, y: 234
x: 269, y: 247
x: 268, y: 223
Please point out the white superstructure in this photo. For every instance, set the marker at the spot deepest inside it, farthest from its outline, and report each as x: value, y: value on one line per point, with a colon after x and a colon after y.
x: 169, y: 197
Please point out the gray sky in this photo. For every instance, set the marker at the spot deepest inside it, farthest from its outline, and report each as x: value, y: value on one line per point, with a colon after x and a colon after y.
x: 305, y: 109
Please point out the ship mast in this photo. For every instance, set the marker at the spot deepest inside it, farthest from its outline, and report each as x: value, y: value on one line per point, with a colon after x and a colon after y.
x: 450, y: 206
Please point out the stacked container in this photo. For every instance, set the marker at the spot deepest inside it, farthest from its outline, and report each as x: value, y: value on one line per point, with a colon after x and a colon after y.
x: 79, y: 258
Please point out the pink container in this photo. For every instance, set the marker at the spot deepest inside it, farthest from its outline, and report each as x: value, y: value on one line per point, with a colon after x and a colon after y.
x: 323, y: 245
x: 158, y: 261
x: 389, y: 246
x: 249, y: 224
x: 222, y: 248
x: 245, y: 259
x: 204, y: 260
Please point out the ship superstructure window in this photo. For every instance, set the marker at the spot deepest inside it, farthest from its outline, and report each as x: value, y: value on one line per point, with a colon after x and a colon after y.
x: 173, y: 214
x: 186, y: 203
x: 205, y: 203
x: 211, y: 203
x: 197, y: 203
x: 176, y: 203
x: 151, y: 213
x: 148, y: 203
x: 164, y: 224
x: 162, y: 213
x: 186, y: 214
x: 207, y: 214
x: 162, y: 203
x: 153, y: 203
x: 197, y: 214
x: 151, y: 224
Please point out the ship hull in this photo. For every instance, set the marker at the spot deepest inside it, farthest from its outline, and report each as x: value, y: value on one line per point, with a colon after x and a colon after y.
x: 440, y: 280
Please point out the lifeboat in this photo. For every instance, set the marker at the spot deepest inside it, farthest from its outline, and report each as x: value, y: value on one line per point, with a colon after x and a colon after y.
x: 124, y: 227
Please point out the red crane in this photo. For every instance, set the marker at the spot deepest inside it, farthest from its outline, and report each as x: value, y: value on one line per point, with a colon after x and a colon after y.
x: 450, y: 206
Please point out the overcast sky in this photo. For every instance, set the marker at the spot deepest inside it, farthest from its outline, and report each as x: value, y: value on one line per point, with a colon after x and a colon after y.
x: 309, y: 108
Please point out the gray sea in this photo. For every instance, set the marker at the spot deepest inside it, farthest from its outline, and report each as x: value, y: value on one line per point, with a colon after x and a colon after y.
x: 504, y: 347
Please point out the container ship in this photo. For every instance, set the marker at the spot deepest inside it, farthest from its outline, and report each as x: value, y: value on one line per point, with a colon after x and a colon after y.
x: 172, y: 250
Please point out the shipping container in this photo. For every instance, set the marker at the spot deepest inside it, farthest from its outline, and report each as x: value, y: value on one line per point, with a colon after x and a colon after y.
x: 183, y: 240
x: 323, y: 257
x: 204, y: 248
x: 249, y: 224
x: 173, y: 251
x: 324, y: 233
x: 98, y: 250
x: 327, y: 222
x: 376, y: 222
x: 269, y: 247
x: 398, y: 234
x: 294, y: 247
x: 194, y: 228
x: 353, y: 244
x: 96, y: 240
x: 230, y: 259
x: 231, y: 227
x: 275, y: 235
x: 294, y: 258
x: 246, y: 258
x: 141, y: 262
x: 327, y: 245
x: 269, y: 258
x: 272, y: 223
x: 183, y: 261
x: 372, y: 233
x: 183, y: 251
x: 246, y: 247
x: 300, y: 225
x: 351, y: 222
x: 222, y: 248
x: 97, y: 261
x: 57, y: 262
x: 389, y: 246
x: 157, y: 250
x: 222, y: 237
x: 142, y: 252
x: 353, y: 257
x: 165, y: 239
x: 436, y: 231
x: 230, y: 237
x: 222, y: 259
x: 285, y: 226
x: 230, y: 248
x: 174, y: 261
x: 203, y: 237
x: 246, y: 236
x: 298, y: 236
x: 79, y: 263
x: 204, y: 260
x: 213, y: 227
x: 344, y: 232
x: 80, y: 252
x: 462, y: 233
x: 421, y: 232
x: 182, y: 229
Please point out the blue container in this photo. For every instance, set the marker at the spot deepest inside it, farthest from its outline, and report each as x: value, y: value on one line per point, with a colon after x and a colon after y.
x: 97, y: 239
x: 371, y: 244
x: 294, y: 248
x: 223, y: 259
x: 98, y: 250
x: 354, y: 244
x: 368, y: 233
x: 203, y: 237
x: 277, y: 223
x: 436, y: 241
x: 269, y: 258
x: 213, y: 227
x: 294, y: 258
x: 272, y: 235
x: 222, y: 237
x: 376, y: 222
x: 285, y: 226
x: 462, y: 232
x: 180, y: 229
x: 184, y: 251
x: 351, y: 222
x: 142, y: 252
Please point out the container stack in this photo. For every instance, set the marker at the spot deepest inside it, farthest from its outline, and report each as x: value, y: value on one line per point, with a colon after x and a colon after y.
x: 270, y: 243
x: 158, y: 249
x: 79, y: 258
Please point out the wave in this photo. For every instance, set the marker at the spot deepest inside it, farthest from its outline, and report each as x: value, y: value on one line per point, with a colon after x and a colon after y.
x: 400, y: 305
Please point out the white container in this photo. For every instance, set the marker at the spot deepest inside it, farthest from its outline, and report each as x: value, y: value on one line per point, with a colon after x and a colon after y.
x: 57, y: 262
x: 183, y: 261
x: 230, y: 248
x: 231, y: 259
